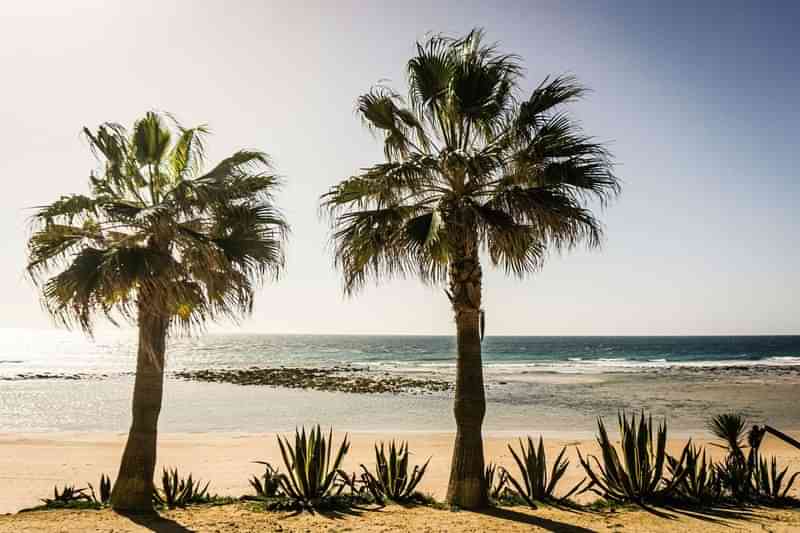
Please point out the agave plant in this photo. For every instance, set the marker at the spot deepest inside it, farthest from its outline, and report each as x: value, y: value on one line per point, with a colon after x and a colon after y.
x: 311, y: 472
x: 769, y: 482
x: 496, y: 479
x: 639, y: 476
x: 356, y: 485
x: 699, y: 481
x: 104, y: 497
x: 532, y: 464
x: 178, y: 491
x: 69, y: 494
x: 268, y: 484
x: 392, y: 479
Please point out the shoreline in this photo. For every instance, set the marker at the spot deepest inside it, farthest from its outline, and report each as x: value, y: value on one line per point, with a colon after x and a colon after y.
x: 547, y: 403
x: 31, y: 463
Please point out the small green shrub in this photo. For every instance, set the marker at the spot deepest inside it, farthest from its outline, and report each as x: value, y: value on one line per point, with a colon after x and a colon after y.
x: 268, y: 484
x: 104, y: 496
x: 311, y: 472
x: 770, y: 482
x: 177, y: 491
x: 69, y: 496
x: 355, y: 484
x: 698, y: 480
x: 639, y: 476
x: 736, y: 477
x: 496, y: 480
x: 392, y: 479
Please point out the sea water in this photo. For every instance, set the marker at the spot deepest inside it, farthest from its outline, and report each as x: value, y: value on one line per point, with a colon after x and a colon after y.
x: 26, y: 351
x: 530, y: 380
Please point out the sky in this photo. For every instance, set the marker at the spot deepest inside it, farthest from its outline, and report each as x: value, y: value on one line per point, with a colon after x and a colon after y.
x: 698, y: 103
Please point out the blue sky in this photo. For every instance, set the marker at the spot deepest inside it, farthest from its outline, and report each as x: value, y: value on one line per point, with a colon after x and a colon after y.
x: 696, y: 102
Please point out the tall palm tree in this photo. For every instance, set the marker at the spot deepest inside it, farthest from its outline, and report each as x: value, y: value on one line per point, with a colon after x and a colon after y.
x: 471, y: 168
x: 160, y: 243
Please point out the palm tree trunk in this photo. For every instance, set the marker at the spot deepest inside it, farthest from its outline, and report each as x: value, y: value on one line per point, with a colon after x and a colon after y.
x: 467, y: 488
x: 133, y: 489
x: 781, y: 435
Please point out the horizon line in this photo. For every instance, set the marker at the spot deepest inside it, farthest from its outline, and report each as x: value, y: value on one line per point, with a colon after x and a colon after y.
x: 133, y: 329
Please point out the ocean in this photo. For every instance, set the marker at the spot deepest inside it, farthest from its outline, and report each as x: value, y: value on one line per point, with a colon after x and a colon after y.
x: 24, y: 351
x: 60, y: 381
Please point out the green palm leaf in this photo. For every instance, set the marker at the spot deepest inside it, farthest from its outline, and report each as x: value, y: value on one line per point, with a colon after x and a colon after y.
x: 193, y: 248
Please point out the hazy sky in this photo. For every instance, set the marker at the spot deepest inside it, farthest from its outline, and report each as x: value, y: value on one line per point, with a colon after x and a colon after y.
x: 699, y: 104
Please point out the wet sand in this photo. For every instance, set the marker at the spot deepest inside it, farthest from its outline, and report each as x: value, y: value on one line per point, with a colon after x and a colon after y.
x: 526, y: 401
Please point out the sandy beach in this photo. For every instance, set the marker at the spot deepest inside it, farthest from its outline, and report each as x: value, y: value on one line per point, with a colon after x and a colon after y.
x: 240, y: 518
x: 30, y: 464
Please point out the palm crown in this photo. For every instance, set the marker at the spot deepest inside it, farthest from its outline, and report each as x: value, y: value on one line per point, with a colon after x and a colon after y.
x: 158, y: 233
x: 468, y: 160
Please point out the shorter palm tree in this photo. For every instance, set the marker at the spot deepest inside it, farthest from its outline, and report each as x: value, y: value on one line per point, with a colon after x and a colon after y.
x: 162, y: 244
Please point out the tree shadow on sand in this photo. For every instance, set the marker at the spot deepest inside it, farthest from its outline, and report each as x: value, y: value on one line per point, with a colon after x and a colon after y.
x: 720, y: 515
x: 534, y: 520
x: 156, y: 523
x: 333, y: 514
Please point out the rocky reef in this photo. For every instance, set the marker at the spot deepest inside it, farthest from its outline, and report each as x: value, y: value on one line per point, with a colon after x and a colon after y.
x: 340, y: 379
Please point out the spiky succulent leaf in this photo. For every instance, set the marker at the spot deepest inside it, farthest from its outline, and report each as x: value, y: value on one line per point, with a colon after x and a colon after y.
x: 311, y: 474
x: 639, y: 476
x: 537, y: 484
x: 391, y: 478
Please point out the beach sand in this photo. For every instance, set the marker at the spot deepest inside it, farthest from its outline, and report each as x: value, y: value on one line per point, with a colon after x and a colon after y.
x: 239, y: 518
x: 30, y: 464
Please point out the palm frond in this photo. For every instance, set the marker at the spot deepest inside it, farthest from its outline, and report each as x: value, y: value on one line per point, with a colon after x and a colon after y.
x: 188, y: 154
x: 559, y: 218
x: 152, y: 233
x: 385, y: 184
x: 518, y: 179
x: 382, y: 110
x: 151, y: 139
x: 545, y: 99
x: 384, y: 243
x: 481, y: 90
x: 429, y: 75
x: 730, y: 428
